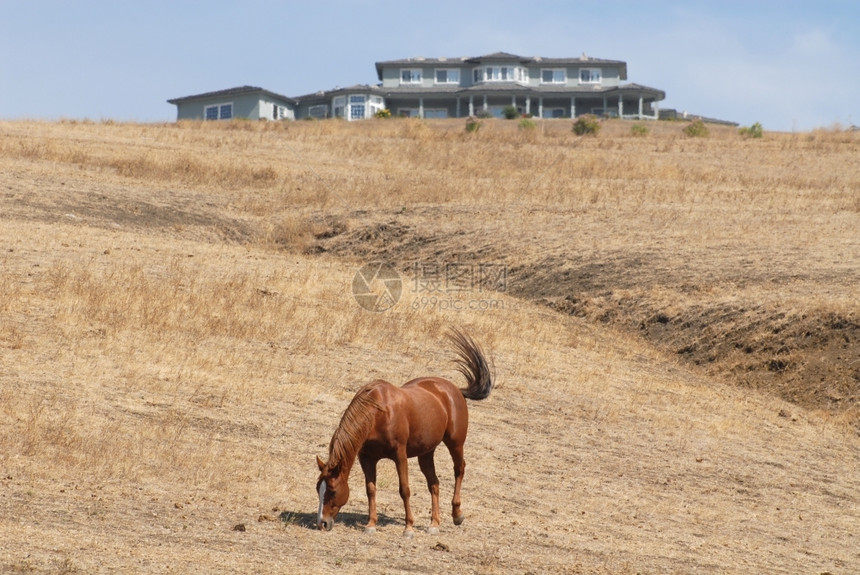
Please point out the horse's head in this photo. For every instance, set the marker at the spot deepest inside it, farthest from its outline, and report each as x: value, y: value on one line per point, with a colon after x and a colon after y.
x: 333, y: 490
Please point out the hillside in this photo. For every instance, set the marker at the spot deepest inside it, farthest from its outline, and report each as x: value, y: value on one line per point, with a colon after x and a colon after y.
x: 672, y: 321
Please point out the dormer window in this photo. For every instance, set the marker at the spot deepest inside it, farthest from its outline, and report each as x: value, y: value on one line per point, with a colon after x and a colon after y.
x: 500, y: 74
x: 589, y: 76
x: 553, y: 76
x: 410, y: 76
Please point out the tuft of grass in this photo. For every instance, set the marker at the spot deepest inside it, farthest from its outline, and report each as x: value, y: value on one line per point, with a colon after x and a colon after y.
x: 639, y: 130
x: 586, y: 125
x: 754, y: 131
x: 696, y: 129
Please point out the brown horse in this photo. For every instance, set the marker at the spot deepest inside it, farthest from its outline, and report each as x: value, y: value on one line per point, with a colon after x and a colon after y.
x: 384, y: 421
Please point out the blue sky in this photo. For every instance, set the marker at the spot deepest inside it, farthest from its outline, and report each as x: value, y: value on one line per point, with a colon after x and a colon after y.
x: 791, y: 65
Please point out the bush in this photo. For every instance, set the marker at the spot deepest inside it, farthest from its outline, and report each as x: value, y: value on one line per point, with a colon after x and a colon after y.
x: 383, y: 113
x: 697, y: 129
x: 473, y: 124
x: 640, y: 130
x: 754, y: 131
x: 527, y: 124
x: 587, y: 124
x: 510, y: 112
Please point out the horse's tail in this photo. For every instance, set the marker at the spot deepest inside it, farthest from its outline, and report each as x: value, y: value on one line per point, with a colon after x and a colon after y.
x: 472, y: 364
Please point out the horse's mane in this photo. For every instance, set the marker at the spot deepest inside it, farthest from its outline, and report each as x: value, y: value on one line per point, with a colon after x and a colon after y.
x: 353, y: 427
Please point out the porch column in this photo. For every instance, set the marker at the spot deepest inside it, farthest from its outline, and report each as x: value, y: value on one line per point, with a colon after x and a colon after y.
x: 620, y: 106
x: 458, y: 107
x: 573, y: 106
x: 486, y: 107
x: 471, y: 105
x: 540, y: 106
x: 528, y: 105
x: 420, y: 107
x: 605, y: 105
x: 641, y: 106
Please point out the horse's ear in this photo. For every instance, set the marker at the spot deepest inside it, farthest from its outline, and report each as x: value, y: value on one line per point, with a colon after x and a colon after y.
x: 320, y: 463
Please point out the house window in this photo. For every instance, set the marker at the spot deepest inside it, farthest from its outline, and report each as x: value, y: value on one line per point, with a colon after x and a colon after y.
x: 319, y: 111
x: 432, y: 113
x: 377, y: 104
x: 553, y: 76
x: 218, y: 112
x: 447, y: 76
x: 589, y: 76
x: 410, y: 76
x: 500, y: 74
x: 357, y: 107
x: 339, y: 106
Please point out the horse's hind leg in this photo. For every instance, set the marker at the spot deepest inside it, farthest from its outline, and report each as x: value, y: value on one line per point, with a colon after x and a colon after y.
x: 428, y: 468
x: 402, y: 466
x: 459, y: 469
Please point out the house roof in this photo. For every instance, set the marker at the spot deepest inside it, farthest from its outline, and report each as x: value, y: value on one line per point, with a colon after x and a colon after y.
x: 632, y: 87
x: 583, y: 60
x: 229, y: 92
x: 325, y: 94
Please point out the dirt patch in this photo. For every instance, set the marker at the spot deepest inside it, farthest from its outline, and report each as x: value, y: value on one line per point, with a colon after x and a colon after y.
x: 105, y: 211
x: 811, y: 359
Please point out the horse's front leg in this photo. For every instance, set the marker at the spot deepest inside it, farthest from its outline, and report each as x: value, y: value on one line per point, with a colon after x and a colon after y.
x: 368, y: 466
x: 403, y: 475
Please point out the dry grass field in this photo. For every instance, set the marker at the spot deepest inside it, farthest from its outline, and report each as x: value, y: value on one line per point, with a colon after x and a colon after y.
x: 673, y: 323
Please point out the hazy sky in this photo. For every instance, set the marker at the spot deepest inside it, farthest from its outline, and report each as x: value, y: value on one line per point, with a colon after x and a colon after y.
x: 791, y: 65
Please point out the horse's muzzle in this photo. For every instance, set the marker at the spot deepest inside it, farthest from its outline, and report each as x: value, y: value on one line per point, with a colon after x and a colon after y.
x: 325, y: 524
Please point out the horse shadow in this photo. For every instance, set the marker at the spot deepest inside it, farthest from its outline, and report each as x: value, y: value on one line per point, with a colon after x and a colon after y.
x: 350, y: 520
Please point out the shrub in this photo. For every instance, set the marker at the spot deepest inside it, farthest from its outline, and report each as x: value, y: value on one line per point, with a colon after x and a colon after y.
x: 383, y: 113
x: 640, y: 130
x: 473, y: 124
x: 510, y: 112
x: 586, y: 124
x: 697, y: 129
x: 754, y: 131
x: 527, y: 124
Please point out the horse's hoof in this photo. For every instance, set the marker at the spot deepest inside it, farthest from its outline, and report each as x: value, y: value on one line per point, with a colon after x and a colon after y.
x: 459, y: 519
x: 408, y: 534
x: 433, y: 530
x: 370, y: 530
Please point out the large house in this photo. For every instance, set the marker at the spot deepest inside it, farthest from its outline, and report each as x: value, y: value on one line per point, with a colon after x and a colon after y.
x: 451, y: 88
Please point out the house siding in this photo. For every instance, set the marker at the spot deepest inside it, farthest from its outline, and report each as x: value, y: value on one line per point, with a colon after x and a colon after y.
x: 247, y: 103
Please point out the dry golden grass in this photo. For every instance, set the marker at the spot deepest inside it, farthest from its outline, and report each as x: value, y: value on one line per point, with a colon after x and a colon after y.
x: 178, y: 337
